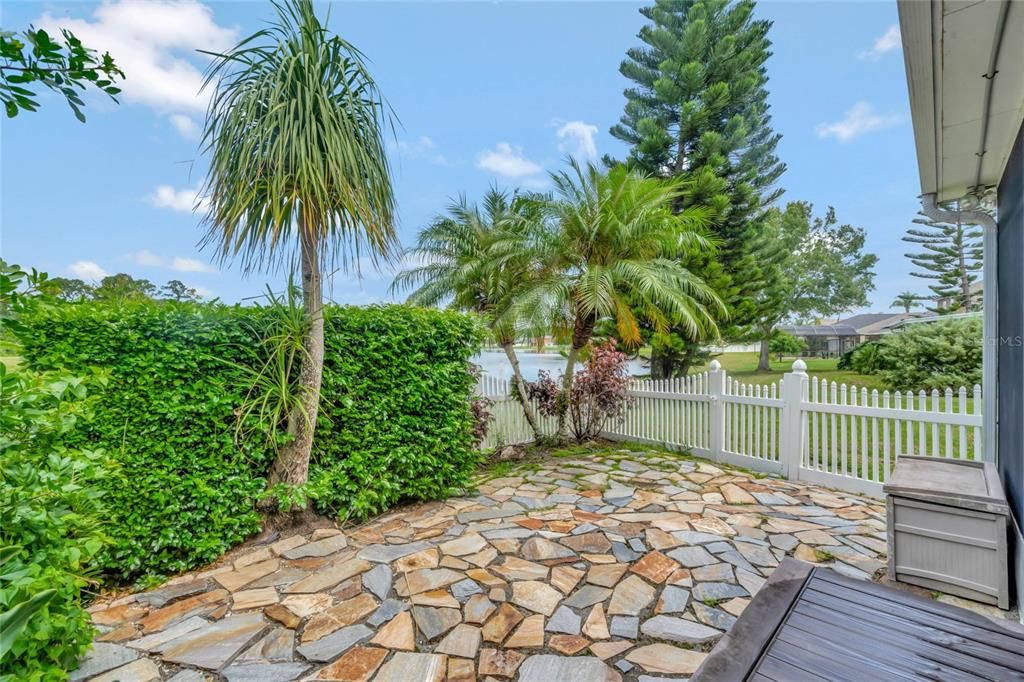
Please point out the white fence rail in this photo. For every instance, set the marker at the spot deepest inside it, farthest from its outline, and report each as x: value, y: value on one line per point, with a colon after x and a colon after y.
x: 801, y: 427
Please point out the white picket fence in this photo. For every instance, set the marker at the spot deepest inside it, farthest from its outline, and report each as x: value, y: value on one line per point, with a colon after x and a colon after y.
x: 802, y: 428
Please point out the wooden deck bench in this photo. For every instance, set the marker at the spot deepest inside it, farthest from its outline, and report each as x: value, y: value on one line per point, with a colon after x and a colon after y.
x: 813, y: 624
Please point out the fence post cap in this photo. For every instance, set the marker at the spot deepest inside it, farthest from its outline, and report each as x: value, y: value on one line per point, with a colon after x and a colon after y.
x: 800, y: 367
x: 715, y: 365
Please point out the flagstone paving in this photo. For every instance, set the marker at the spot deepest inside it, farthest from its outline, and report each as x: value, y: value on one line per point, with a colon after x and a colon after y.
x: 619, y: 564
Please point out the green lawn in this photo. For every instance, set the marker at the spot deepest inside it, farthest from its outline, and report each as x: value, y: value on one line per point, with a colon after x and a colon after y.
x: 743, y: 366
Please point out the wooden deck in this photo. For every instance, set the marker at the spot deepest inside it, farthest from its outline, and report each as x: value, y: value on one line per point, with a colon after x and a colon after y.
x: 814, y: 624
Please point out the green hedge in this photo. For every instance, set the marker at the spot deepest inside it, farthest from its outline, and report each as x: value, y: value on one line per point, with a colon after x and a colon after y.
x: 933, y: 355
x: 395, y: 418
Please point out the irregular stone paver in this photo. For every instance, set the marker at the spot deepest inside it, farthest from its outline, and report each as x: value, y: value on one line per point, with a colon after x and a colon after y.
x: 378, y: 580
x: 500, y: 662
x: 324, y: 547
x: 501, y: 623
x: 141, y: 670
x: 211, y: 647
x: 536, y: 596
x: 101, y: 658
x: 398, y: 633
x: 664, y: 658
x: 357, y: 665
x: 627, y: 564
x: 435, y: 622
x: 258, y: 672
x: 530, y: 633
x: 587, y: 596
x: 404, y: 667
x: 463, y: 641
x: 328, y: 577
x: 679, y: 630
x: 545, y: 668
x: 344, y: 614
x: 631, y: 596
x: 329, y: 647
x: 596, y: 625
x: 564, y: 620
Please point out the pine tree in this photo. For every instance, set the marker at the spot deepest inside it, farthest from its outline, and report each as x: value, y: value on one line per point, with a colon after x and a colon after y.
x: 699, y: 109
x: 952, y: 259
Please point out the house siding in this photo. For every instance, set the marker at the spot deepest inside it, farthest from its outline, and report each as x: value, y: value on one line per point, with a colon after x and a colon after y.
x: 1010, y: 278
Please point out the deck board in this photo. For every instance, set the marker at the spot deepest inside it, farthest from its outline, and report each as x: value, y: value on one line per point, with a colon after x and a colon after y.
x: 814, y: 624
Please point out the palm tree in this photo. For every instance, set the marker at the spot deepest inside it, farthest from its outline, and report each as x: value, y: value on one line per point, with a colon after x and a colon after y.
x: 611, y: 253
x: 906, y: 300
x: 298, y: 170
x: 475, y: 260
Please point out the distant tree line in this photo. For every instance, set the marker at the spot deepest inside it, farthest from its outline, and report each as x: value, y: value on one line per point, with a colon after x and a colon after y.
x: 121, y: 287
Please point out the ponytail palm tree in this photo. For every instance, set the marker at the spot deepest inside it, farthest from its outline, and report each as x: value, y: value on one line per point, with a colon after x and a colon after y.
x: 298, y: 171
x: 476, y: 260
x: 612, y: 253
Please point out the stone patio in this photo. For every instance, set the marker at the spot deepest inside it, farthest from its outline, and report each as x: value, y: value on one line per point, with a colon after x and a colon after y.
x: 621, y: 564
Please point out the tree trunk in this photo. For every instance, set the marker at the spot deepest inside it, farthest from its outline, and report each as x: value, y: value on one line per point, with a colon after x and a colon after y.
x: 583, y: 329
x: 965, y: 279
x: 524, y: 398
x: 763, y: 360
x: 292, y: 464
x: 661, y: 365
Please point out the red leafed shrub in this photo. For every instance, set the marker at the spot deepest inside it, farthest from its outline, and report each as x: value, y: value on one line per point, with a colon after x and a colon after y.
x: 599, y: 392
x: 480, y: 407
x: 546, y: 391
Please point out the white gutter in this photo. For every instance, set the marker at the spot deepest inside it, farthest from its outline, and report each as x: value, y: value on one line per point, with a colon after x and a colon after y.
x: 989, y: 372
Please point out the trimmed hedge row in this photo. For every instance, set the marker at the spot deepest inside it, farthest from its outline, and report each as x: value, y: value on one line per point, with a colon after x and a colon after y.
x: 395, y: 421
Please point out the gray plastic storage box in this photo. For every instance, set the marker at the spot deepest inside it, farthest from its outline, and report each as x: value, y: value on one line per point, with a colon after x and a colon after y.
x: 948, y: 526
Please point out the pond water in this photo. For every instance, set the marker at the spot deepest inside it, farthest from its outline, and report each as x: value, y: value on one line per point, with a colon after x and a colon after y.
x: 494, y: 363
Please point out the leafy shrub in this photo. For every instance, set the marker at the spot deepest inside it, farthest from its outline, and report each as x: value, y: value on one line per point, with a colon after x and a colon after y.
x: 183, y: 491
x: 932, y: 355
x: 599, y: 391
x: 395, y: 420
x: 50, y: 511
x: 480, y: 407
x: 864, y: 359
x: 845, y: 359
x: 546, y: 391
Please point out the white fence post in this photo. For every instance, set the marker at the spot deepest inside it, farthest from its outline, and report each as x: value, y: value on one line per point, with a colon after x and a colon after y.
x: 794, y: 394
x: 716, y: 409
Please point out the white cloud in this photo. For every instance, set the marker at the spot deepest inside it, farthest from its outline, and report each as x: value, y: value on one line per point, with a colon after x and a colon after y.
x: 185, y: 200
x: 147, y: 258
x: 887, y: 42
x: 507, y: 161
x: 190, y: 265
x: 422, y: 147
x: 860, y: 119
x: 185, y: 126
x: 178, y: 263
x: 86, y: 269
x: 154, y: 42
x: 578, y: 140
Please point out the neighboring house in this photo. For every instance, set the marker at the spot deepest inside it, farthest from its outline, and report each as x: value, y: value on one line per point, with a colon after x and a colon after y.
x: 831, y: 340
x: 965, y: 74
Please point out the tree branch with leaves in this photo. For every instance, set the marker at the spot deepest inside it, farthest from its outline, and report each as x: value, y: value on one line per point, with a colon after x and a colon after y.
x: 66, y: 66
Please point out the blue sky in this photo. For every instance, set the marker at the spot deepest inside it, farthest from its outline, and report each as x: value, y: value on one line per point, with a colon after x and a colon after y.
x: 485, y: 92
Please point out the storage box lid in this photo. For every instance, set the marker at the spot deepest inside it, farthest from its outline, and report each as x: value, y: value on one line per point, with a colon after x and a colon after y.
x: 953, y: 482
